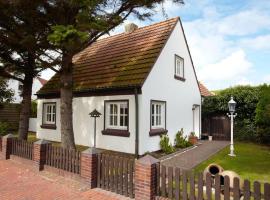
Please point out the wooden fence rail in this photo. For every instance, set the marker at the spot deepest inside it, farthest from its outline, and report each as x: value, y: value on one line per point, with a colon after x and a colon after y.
x: 174, y: 183
x: 116, y: 174
x: 65, y: 159
x: 22, y: 148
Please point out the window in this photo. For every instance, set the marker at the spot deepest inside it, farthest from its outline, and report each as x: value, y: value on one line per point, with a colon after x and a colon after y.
x: 158, y: 114
x: 49, y: 113
x: 117, y: 115
x: 179, y: 68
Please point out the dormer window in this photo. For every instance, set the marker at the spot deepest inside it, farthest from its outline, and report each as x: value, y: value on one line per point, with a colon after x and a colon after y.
x: 179, y: 68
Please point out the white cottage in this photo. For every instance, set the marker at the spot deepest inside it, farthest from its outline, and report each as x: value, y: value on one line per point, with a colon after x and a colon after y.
x: 142, y: 81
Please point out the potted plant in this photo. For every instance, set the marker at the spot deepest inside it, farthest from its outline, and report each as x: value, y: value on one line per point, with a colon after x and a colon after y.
x: 193, y: 138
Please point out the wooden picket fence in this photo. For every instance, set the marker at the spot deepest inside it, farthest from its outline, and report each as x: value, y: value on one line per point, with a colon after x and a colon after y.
x: 22, y: 148
x: 0, y: 143
x: 174, y: 183
x: 65, y: 159
x: 116, y: 174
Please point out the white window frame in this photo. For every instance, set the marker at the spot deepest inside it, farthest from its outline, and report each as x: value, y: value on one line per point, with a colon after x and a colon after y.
x: 116, y: 114
x: 49, y: 113
x: 179, y: 67
x: 158, y: 114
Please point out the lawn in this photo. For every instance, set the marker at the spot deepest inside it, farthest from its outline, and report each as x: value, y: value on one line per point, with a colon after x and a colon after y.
x: 32, y: 138
x: 252, y: 161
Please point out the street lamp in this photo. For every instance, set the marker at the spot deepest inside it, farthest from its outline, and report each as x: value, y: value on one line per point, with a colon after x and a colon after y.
x: 95, y: 114
x: 231, y: 105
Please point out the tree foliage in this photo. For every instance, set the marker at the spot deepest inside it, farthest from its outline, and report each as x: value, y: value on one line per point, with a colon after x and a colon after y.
x: 253, y: 110
x: 6, y: 95
x: 77, y: 25
x: 247, y: 98
x: 24, y: 48
x: 29, y: 29
x: 80, y: 23
x: 263, y: 116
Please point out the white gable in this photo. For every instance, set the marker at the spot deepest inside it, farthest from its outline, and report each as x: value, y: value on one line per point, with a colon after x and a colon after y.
x: 179, y: 95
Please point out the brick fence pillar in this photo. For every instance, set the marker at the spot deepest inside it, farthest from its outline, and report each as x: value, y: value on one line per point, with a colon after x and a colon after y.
x: 145, y: 178
x: 6, y: 146
x: 89, y: 166
x: 39, y: 153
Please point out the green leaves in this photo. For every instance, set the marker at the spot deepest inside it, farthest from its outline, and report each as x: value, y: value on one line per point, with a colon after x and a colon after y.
x: 67, y: 37
x: 263, y: 107
x: 6, y: 95
x: 253, y: 110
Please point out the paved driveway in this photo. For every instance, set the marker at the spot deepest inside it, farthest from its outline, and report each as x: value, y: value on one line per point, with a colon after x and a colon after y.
x: 17, y: 182
x: 194, y: 156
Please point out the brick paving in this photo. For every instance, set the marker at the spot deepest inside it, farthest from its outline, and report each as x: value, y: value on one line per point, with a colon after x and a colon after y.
x: 191, y: 158
x: 19, y: 182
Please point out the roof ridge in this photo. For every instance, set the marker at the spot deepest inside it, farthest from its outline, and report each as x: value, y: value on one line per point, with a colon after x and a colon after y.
x: 139, y: 28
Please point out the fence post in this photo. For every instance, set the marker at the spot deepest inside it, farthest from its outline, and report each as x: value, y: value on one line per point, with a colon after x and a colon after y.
x: 6, y: 146
x: 146, y: 178
x: 89, y: 166
x: 39, y: 153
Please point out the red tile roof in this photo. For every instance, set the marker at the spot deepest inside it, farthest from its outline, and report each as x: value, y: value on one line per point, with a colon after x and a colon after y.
x: 42, y: 81
x: 204, y: 91
x: 122, y: 60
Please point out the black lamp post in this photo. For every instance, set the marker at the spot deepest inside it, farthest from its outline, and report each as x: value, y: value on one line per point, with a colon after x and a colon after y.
x: 95, y: 114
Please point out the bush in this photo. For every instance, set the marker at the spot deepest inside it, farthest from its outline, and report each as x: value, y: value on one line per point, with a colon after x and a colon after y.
x: 3, y: 128
x: 262, y: 118
x: 245, y: 130
x: 165, y: 144
x: 247, y: 98
x: 180, y: 141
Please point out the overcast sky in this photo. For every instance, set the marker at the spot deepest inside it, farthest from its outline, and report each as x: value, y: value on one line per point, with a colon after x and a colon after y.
x: 229, y: 40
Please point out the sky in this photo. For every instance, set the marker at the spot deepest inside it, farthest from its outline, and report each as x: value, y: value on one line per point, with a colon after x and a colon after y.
x: 229, y: 40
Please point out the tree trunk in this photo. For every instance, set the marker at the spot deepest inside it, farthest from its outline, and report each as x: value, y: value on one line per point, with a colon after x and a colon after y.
x: 25, y: 107
x: 67, y: 135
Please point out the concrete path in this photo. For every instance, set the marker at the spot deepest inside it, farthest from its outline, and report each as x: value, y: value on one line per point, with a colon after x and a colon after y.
x: 191, y: 158
x: 17, y: 182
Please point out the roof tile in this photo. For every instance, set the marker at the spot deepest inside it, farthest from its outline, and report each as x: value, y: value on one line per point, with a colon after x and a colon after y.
x: 122, y: 60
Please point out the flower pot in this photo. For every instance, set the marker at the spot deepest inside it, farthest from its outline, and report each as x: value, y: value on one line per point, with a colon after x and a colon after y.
x: 210, y: 138
x: 193, y: 139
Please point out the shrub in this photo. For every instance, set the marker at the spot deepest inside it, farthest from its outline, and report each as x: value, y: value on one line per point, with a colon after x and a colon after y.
x: 180, y: 140
x: 245, y: 130
x: 165, y: 144
x: 262, y: 118
x: 3, y: 128
x: 247, y: 98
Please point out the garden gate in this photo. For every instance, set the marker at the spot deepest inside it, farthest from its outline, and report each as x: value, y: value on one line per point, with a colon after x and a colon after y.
x: 116, y: 174
x: 216, y: 126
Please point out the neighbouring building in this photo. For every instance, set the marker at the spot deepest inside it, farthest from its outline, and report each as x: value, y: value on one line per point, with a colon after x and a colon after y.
x: 17, y: 86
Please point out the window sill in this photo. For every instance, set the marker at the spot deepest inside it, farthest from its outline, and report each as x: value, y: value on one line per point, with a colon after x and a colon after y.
x: 179, y: 78
x: 48, y: 126
x: 116, y: 132
x: 160, y: 131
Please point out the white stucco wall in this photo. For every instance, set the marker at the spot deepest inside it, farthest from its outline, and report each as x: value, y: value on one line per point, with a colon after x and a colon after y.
x: 83, y: 125
x: 180, y: 96
x: 32, y: 125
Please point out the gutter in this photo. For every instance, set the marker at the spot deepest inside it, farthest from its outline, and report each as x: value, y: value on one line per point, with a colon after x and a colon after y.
x: 136, y: 123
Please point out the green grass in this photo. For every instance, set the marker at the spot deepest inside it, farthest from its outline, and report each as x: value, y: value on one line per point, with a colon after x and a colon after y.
x: 32, y: 138
x: 252, y: 161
